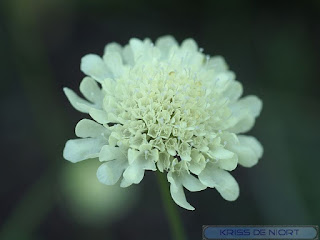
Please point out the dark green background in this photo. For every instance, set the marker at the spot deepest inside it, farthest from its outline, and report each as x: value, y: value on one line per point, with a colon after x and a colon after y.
x: 272, y: 47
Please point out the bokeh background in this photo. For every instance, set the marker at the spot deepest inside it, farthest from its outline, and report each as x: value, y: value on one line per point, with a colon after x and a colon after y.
x: 274, y: 50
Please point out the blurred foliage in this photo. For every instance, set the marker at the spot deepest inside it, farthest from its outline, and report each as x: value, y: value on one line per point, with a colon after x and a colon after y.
x: 89, y: 202
x: 274, y: 50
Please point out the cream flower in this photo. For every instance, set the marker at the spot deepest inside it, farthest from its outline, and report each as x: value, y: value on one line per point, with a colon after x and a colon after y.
x: 165, y: 107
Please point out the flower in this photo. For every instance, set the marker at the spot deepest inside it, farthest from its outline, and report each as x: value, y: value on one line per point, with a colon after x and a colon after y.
x: 164, y: 107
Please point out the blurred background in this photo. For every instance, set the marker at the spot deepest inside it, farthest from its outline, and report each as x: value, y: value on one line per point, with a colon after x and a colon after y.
x: 274, y: 50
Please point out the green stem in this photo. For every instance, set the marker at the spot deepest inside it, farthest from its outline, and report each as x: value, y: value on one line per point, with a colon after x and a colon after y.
x: 174, y: 219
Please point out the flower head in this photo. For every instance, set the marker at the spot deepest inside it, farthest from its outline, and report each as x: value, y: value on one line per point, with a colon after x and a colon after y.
x: 164, y: 107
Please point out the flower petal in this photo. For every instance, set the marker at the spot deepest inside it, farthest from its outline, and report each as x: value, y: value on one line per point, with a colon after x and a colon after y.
x: 189, y: 44
x: 110, y: 172
x: 164, y: 161
x: 249, y: 150
x: 88, y: 128
x: 124, y: 183
x: 93, y: 66
x: 253, y: 103
x: 177, y: 193
x: 222, y: 81
x: 90, y: 89
x: 191, y: 183
x: 109, y: 153
x: 137, y: 48
x: 134, y: 174
x: 128, y: 55
x: 243, y: 124
x: 217, y: 63
x: 77, y: 150
x: 164, y: 44
x: 142, y: 159
x: 234, y: 91
x: 244, y: 113
x: 222, y: 180
x: 198, y: 162
x: 221, y: 153
x: 77, y: 102
x: 139, y: 162
x: 206, y: 175
x: 226, y: 185
x: 113, y: 47
x: 114, y: 63
x: 99, y: 115
x: 228, y: 164
x: 133, y: 155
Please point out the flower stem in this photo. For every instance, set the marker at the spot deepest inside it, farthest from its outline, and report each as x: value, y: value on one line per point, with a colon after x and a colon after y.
x: 174, y: 219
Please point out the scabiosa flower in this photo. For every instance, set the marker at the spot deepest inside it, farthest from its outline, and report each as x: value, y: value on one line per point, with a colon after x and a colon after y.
x: 164, y: 107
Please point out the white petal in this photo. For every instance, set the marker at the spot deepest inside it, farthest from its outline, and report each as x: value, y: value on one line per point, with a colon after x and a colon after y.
x: 110, y: 172
x: 222, y: 81
x: 81, y: 149
x: 133, y: 155
x: 78, y: 103
x: 90, y: 89
x: 134, y: 174
x: 114, y: 63
x: 244, y: 113
x: 229, y: 138
x: 93, y: 66
x: 253, y: 103
x: 249, y: 150
x: 88, y: 128
x: 206, y: 175
x: 196, y: 167
x: 164, y: 161
x: 139, y: 162
x: 177, y: 193
x: 198, y: 162
x: 124, y: 183
x: 99, y: 115
x: 189, y: 45
x: 137, y: 48
x: 191, y: 183
x: 109, y: 153
x: 226, y: 185
x: 221, y: 153
x: 164, y: 44
x: 228, y: 164
x: 243, y: 124
x: 128, y: 55
x: 113, y: 47
x: 234, y: 91
x: 218, y: 64
x: 222, y: 180
x: 139, y: 159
